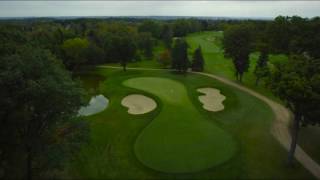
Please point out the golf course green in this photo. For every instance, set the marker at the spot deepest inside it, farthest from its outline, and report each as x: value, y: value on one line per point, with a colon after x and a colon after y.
x: 179, y: 144
x: 124, y: 145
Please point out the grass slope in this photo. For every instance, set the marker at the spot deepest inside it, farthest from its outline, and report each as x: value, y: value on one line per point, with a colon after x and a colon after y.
x: 179, y: 139
x: 216, y: 63
x: 110, y: 155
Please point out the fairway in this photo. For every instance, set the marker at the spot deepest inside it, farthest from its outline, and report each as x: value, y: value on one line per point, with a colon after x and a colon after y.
x: 179, y: 139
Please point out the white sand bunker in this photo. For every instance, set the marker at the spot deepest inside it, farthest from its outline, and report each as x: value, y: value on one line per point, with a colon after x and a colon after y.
x: 212, y: 100
x: 138, y: 104
x: 97, y: 104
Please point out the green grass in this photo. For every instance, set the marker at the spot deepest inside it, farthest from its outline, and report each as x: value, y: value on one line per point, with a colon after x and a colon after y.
x: 114, y: 133
x: 179, y: 139
x: 216, y: 63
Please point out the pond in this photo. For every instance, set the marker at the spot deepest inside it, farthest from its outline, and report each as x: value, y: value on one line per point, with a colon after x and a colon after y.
x: 97, y: 104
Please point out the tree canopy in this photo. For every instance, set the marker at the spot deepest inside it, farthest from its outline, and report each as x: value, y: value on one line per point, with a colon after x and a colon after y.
x: 38, y: 101
x: 237, y: 45
x: 297, y: 83
x: 75, y: 51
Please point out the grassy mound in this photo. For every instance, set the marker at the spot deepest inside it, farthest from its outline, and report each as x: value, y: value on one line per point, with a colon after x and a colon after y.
x: 179, y: 139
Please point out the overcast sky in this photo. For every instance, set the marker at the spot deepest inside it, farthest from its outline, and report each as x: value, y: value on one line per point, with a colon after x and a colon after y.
x: 160, y: 8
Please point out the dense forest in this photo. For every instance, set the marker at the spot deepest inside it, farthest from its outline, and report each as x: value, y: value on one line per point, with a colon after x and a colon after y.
x: 39, y: 57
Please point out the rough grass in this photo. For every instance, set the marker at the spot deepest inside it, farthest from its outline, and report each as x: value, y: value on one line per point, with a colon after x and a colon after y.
x: 110, y: 155
x: 179, y: 139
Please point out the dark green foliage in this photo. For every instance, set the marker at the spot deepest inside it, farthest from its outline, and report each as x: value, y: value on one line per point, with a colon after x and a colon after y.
x: 279, y: 35
x: 125, y: 48
x: 146, y: 43
x: 166, y: 35
x: 75, y: 51
x: 294, y: 35
x: 182, y: 27
x: 197, y: 60
x: 262, y: 70
x: 152, y: 27
x: 179, y: 55
x: 297, y: 84
x: 38, y: 99
x: 237, y: 45
x: 95, y: 54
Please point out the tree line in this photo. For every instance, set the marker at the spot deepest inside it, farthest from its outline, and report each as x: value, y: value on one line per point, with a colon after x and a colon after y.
x: 90, y: 42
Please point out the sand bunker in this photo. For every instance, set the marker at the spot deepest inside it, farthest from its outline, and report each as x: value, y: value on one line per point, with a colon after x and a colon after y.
x: 138, y: 104
x: 212, y: 100
x: 97, y: 104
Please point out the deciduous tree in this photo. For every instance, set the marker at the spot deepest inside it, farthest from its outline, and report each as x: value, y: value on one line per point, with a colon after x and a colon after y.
x: 38, y: 101
x: 297, y: 83
x: 165, y: 58
x: 237, y: 46
x: 75, y: 51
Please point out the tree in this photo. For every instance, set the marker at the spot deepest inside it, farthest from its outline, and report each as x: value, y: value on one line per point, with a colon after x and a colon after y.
x: 179, y: 55
x: 152, y: 27
x: 75, y: 51
x: 166, y: 35
x: 182, y: 27
x: 197, y: 61
x: 37, y: 99
x: 165, y: 58
x: 237, y: 45
x: 262, y: 70
x: 125, y: 49
x: 94, y: 54
x: 297, y: 83
x: 279, y: 34
x: 146, y: 42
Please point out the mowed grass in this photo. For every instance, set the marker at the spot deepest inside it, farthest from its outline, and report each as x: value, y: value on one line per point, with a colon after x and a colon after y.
x: 179, y: 139
x: 114, y: 133
x: 216, y: 63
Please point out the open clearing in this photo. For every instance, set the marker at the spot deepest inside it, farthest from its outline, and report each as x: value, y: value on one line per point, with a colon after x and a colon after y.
x: 212, y: 100
x: 138, y: 104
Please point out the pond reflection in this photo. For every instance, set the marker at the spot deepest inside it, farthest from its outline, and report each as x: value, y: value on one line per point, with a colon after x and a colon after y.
x: 97, y: 104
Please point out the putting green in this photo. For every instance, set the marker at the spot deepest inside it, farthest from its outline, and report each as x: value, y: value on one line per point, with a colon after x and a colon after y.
x: 180, y: 139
